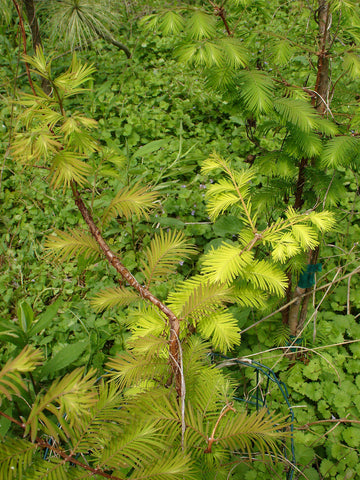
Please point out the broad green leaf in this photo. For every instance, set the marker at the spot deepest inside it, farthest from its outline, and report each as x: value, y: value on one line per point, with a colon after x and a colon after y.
x: 25, y: 316
x: 227, y: 225
x: 170, y: 222
x: 66, y: 356
x: 45, y: 318
x: 151, y: 147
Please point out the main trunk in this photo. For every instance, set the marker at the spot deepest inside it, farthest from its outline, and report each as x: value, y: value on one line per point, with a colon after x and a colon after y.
x: 321, y: 103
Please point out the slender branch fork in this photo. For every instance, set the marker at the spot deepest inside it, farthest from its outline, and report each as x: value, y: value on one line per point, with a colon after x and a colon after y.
x: 223, y: 412
x: 174, y: 322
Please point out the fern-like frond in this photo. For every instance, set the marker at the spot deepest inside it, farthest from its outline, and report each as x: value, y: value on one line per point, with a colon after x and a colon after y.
x: 324, y: 220
x: 235, y: 55
x: 266, y: 276
x: 224, y: 194
x: 76, y: 75
x: 281, y: 52
x: 107, y: 412
x: 164, y: 254
x: 201, y: 25
x: 39, y: 111
x: 114, y: 297
x: 276, y: 164
x: 10, y: 375
x: 259, y: 431
x: 326, y: 126
x: 35, y: 144
x: 340, y: 151
x: 171, y: 22
x: 171, y: 466
x: 213, y: 162
x: 82, y: 142
x: 67, y: 167
x: 226, y: 263
x: 221, y: 328
x: 285, y: 246
x: 305, y: 235
x: 204, y: 53
x: 76, y: 242
x: 141, y: 439
x: 129, y: 370
x: 147, y: 322
x: 256, y: 89
x: 197, y: 297
x: 72, y: 395
x: 54, y: 468
x: 248, y: 296
x: 298, y: 112
x: 352, y: 64
x: 15, y: 457
x: 39, y: 62
x: 198, y: 431
x: 221, y: 78
x: 130, y: 201
x: 148, y: 346
x: 301, y: 144
x: 78, y: 22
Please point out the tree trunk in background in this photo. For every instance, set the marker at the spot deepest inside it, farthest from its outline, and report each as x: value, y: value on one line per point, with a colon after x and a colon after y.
x: 35, y: 35
x: 33, y: 23
x: 321, y: 103
x: 322, y: 78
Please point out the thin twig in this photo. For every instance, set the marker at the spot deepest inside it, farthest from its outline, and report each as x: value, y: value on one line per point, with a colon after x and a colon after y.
x: 348, y: 296
x: 68, y: 458
x: 330, y: 420
x: 228, y: 406
x: 182, y: 395
x: 22, y: 28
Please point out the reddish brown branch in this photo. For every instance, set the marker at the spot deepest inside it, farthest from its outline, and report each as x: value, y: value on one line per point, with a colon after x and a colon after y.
x: 143, y: 291
x: 13, y: 420
x: 322, y: 77
x: 22, y: 28
x: 299, y: 201
x: 219, y: 11
x: 223, y: 412
x: 69, y: 458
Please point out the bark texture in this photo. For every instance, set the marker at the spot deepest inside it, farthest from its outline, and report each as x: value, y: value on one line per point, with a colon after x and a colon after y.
x: 174, y: 322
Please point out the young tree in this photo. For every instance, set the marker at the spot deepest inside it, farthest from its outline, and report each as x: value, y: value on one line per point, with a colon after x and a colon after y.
x: 185, y: 404
x: 300, y: 126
